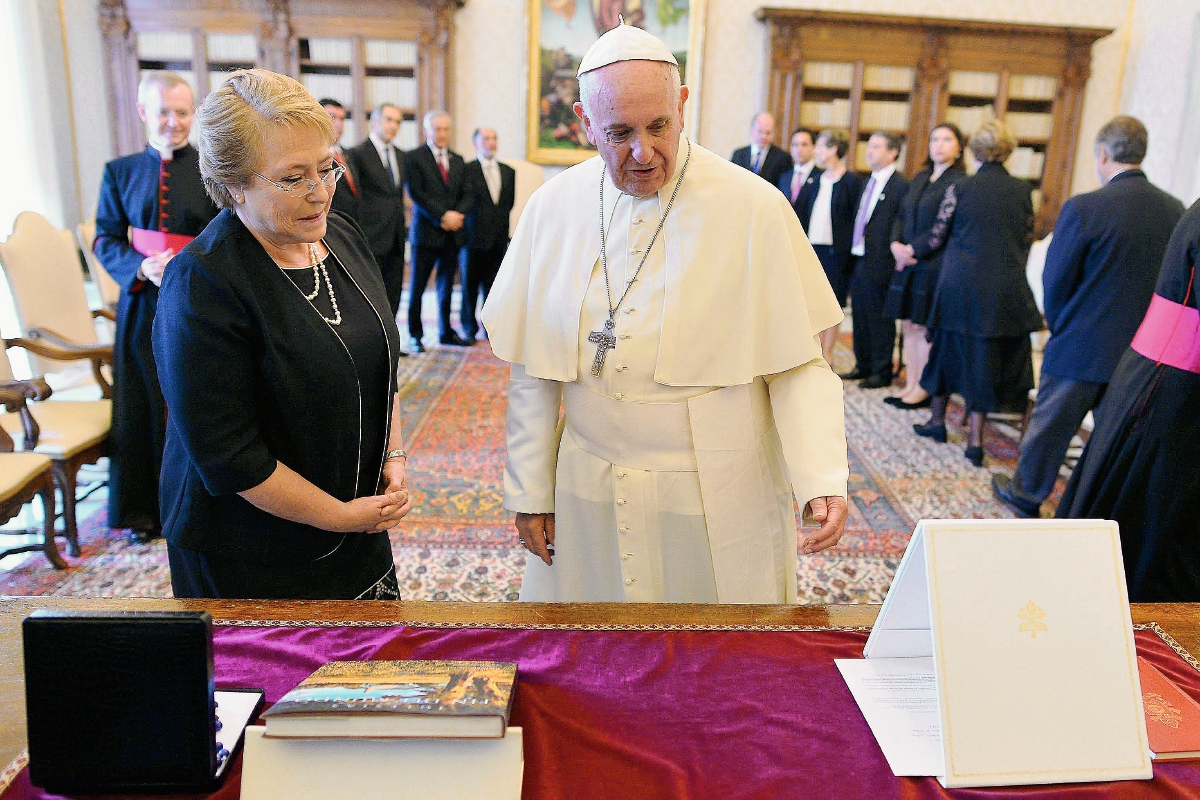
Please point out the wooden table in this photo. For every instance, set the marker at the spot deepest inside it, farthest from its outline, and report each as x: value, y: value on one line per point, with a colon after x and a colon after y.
x: 1182, y: 621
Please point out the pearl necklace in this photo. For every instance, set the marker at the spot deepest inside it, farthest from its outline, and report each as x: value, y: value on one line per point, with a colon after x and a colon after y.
x: 319, y: 271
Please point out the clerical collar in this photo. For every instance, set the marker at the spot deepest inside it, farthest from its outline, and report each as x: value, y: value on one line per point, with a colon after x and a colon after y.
x: 168, y: 153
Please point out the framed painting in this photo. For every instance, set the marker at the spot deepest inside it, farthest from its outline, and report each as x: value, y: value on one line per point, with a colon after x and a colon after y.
x: 561, y: 31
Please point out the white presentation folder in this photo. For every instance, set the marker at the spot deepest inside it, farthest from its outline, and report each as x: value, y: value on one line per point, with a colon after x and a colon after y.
x: 353, y: 769
x: 1025, y: 626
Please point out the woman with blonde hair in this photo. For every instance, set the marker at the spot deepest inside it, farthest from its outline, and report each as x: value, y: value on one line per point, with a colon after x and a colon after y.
x: 277, y: 352
x: 983, y: 309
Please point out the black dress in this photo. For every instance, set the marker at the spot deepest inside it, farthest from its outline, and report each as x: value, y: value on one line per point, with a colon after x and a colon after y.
x: 254, y: 376
x: 983, y: 309
x: 1142, y: 464
x: 141, y: 191
x: 928, y: 209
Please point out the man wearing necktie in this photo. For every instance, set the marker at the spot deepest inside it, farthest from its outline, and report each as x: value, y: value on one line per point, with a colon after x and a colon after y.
x: 761, y: 156
x: 378, y: 166
x: 345, y: 196
x: 436, y: 183
x: 800, y: 182
x: 493, y: 190
x: 878, y: 209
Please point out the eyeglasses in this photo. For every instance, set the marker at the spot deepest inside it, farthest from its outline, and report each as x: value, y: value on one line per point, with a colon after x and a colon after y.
x: 302, y: 187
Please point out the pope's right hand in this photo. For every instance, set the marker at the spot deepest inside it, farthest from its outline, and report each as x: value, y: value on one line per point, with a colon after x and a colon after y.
x: 536, y: 532
x: 373, y: 514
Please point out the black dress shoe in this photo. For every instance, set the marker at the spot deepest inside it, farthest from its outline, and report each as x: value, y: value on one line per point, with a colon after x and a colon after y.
x: 974, y: 455
x: 1002, y: 487
x: 144, y: 535
x: 876, y: 382
x: 415, y: 345
x: 935, y: 432
x: 854, y: 375
x: 893, y: 400
x: 454, y: 340
x: 926, y: 403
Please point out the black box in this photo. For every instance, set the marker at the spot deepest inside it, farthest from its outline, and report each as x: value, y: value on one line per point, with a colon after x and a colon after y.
x: 120, y: 701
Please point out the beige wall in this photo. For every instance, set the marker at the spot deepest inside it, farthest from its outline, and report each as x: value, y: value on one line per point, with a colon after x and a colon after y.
x: 1148, y: 67
x: 1142, y: 68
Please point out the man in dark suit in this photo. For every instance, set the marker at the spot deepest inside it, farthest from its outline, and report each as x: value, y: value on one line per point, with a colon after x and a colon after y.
x: 379, y: 167
x: 800, y: 182
x: 438, y: 187
x: 761, y: 156
x: 1101, y: 269
x: 493, y: 190
x: 871, y: 245
x: 345, y: 196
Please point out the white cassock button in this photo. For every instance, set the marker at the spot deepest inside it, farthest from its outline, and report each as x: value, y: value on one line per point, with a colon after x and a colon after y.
x: 626, y: 336
x: 637, y: 222
x: 621, y: 368
x: 620, y: 474
x: 621, y: 501
x: 630, y: 310
x: 629, y: 581
x: 624, y: 529
x: 619, y: 396
x: 634, y: 252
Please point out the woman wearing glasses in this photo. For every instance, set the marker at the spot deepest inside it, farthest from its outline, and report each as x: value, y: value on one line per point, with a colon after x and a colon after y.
x: 276, y: 348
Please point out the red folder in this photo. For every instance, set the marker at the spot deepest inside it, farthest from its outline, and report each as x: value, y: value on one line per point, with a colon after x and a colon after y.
x: 1172, y: 717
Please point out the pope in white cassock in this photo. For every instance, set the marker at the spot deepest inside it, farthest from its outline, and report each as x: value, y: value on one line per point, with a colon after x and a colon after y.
x: 669, y: 302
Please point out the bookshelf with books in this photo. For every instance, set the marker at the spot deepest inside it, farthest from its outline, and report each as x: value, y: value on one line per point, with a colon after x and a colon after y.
x: 909, y: 73
x: 360, y: 52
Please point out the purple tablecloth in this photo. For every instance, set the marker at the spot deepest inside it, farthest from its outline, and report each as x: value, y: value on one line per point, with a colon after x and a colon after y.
x: 663, y: 713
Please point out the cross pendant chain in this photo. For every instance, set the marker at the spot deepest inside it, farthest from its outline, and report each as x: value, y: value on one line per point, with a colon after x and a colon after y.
x: 604, y: 341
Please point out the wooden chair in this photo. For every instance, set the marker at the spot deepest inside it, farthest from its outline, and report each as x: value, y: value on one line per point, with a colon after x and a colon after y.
x: 110, y: 290
x: 43, y: 269
x: 45, y: 274
x: 24, y: 476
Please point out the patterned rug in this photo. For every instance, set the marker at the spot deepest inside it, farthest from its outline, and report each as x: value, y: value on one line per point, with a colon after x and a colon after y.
x: 458, y: 543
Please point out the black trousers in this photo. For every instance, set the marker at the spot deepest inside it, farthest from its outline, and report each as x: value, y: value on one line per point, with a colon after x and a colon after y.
x: 424, y: 261
x: 139, y: 417
x: 479, y: 269
x: 391, y: 268
x: 874, y: 332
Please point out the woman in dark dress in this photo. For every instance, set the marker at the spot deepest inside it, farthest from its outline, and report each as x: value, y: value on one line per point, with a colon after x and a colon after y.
x: 277, y: 353
x: 1141, y: 466
x: 831, y: 219
x: 983, y: 309
x: 918, y: 237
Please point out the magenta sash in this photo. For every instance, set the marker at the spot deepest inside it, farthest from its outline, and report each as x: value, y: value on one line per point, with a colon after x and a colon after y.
x: 1170, y: 334
x: 150, y: 243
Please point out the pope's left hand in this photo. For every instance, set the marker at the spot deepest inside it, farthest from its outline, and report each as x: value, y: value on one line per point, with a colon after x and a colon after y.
x: 831, y: 514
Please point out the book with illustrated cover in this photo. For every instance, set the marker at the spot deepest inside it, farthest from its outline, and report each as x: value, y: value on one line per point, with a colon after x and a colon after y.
x: 398, y: 699
x: 1172, y: 717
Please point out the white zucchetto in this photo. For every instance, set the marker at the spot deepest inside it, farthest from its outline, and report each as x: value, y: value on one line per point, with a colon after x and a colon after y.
x: 625, y: 43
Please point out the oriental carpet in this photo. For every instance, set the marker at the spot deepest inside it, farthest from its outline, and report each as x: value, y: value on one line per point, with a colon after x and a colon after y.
x: 458, y: 544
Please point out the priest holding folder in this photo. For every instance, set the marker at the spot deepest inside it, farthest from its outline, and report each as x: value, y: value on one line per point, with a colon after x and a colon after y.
x: 670, y: 301
x: 152, y: 203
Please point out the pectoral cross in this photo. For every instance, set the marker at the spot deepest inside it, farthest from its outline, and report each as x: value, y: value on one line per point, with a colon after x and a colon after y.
x: 604, y: 341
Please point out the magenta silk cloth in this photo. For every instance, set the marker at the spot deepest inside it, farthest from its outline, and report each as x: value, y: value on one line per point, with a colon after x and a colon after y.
x: 664, y: 713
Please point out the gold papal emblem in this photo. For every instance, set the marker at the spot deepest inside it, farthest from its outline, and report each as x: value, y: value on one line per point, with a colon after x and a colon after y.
x: 1159, y: 709
x: 1031, y: 620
